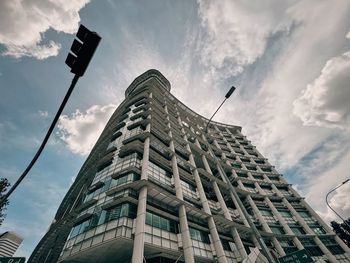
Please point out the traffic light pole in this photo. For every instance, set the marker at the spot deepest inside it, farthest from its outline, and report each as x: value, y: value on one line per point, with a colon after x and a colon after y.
x: 82, y: 51
x: 42, y: 146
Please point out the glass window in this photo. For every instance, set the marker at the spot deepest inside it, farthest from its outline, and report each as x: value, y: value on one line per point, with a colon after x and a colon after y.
x: 318, y: 230
x: 148, y: 218
x: 161, y: 222
x: 158, y: 174
x: 277, y: 229
x: 226, y: 245
x: 266, y: 213
x: 121, y: 210
x: 298, y: 230
x: 156, y: 221
x: 336, y: 250
x: 102, y: 218
x: 285, y: 214
x: 75, y: 231
x: 199, y: 235
x: 304, y: 214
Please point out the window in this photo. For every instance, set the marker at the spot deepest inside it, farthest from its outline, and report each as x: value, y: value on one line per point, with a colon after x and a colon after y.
x: 121, y: 210
x: 266, y: 213
x: 199, y: 235
x: 109, y: 183
x: 314, y: 251
x: 226, y: 245
x: 277, y: 229
x: 161, y: 222
x: 236, y: 165
x: 304, y: 214
x: 318, y: 230
x: 158, y: 174
x: 259, y: 177
x: 298, y: 230
x: 336, y: 250
x: 285, y: 214
x: 244, y: 175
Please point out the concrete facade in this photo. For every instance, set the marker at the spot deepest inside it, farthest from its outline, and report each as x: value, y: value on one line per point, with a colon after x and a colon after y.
x: 153, y: 190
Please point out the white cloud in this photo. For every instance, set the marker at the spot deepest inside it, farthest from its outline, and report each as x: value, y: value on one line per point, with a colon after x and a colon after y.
x: 23, y: 24
x: 321, y: 181
x: 81, y: 130
x: 43, y: 114
x: 236, y: 32
x: 325, y: 102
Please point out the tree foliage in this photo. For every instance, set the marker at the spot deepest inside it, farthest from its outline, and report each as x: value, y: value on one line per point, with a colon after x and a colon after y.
x: 342, y: 230
x: 4, y: 184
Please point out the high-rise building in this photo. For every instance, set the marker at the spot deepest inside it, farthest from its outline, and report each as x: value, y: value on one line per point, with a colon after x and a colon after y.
x: 158, y: 186
x: 9, y: 242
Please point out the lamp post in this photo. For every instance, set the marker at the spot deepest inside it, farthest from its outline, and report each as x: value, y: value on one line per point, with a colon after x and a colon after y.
x: 347, y: 180
x: 223, y: 175
x: 82, y: 51
x: 228, y: 94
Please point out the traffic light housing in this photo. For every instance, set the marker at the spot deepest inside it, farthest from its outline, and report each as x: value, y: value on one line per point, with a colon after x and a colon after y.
x: 82, y: 50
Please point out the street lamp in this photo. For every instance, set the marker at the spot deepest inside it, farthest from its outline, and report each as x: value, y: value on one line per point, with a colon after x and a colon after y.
x: 82, y: 51
x: 228, y: 94
x: 223, y: 175
x: 347, y: 180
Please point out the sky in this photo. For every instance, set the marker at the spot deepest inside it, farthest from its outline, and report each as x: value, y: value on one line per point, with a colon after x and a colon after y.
x: 290, y: 62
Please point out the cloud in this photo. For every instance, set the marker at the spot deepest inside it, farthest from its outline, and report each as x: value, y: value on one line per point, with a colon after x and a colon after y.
x: 81, y: 130
x: 236, y: 32
x: 322, y: 181
x: 37, y: 203
x: 23, y: 24
x: 340, y: 203
x: 325, y: 102
x: 43, y: 114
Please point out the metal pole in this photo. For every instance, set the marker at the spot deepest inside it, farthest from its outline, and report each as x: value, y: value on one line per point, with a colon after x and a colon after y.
x: 41, y: 148
x: 228, y: 94
x: 331, y: 207
x: 206, y: 128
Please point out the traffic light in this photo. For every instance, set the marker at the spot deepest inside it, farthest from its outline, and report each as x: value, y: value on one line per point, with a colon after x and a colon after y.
x: 82, y: 50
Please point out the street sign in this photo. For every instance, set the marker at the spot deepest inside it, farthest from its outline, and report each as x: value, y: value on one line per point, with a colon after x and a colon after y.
x: 300, y: 256
x: 12, y: 260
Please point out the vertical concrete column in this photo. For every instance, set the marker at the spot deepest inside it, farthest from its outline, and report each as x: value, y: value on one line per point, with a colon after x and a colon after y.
x: 139, y: 239
x: 220, y: 253
x: 221, y: 200
x: 185, y: 232
x: 309, y: 231
x: 238, y: 242
x: 224, y: 208
x: 265, y: 225
x: 241, y: 185
x: 227, y: 215
x: 326, y: 227
x: 211, y: 224
x: 342, y: 245
x: 283, y: 223
x: 325, y: 250
x: 140, y: 221
x: 245, y: 222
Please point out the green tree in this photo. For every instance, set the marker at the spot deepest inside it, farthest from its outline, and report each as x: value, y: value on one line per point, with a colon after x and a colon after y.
x: 342, y: 230
x: 4, y: 184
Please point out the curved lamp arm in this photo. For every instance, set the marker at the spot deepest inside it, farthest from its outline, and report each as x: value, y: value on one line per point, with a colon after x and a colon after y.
x: 347, y: 180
